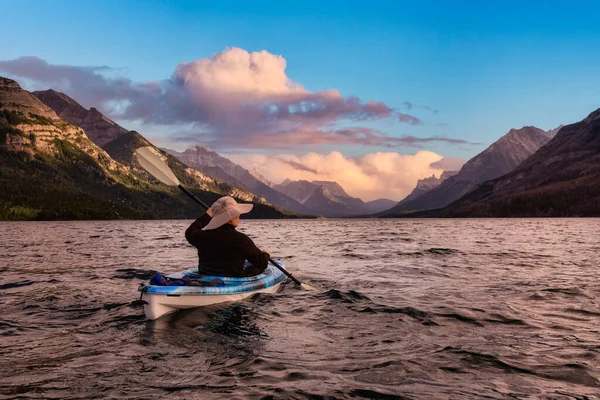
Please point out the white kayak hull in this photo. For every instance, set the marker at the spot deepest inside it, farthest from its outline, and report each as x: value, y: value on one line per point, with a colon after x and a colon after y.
x: 158, y: 305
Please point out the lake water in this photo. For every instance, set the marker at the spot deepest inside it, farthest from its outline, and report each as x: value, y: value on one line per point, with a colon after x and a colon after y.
x: 403, y: 309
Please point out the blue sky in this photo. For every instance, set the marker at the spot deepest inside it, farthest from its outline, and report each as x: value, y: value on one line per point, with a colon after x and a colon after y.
x: 484, y: 66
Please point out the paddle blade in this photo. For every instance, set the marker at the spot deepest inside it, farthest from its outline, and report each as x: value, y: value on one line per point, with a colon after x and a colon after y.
x: 304, y: 286
x: 156, y: 166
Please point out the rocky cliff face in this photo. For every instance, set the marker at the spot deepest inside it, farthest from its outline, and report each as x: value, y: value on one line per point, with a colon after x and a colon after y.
x: 13, y: 98
x: 214, y: 165
x: 500, y: 158
x: 561, y: 179
x: 37, y: 129
x: 97, y: 126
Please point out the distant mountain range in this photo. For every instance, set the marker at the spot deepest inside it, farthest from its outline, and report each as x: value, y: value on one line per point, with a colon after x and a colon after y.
x: 50, y: 169
x: 212, y: 164
x: 317, y: 198
x: 498, y: 159
x: 329, y: 198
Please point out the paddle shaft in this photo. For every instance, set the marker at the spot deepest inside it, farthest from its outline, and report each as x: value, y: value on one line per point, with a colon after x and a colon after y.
x: 193, y: 196
x: 197, y: 200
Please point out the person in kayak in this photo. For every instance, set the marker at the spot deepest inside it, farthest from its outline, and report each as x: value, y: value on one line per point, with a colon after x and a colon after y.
x: 222, y: 250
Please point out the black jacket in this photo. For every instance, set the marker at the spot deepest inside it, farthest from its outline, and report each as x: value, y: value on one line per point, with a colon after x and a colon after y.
x: 222, y: 251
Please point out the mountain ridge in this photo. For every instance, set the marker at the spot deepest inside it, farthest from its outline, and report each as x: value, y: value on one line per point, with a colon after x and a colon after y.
x: 99, y: 128
x: 329, y: 199
x: 426, y: 184
x: 561, y: 179
x: 499, y: 158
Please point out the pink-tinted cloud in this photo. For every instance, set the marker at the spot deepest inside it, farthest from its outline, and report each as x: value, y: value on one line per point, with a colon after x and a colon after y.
x: 448, y: 164
x: 369, y: 177
x: 409, y: 119
x: 412, y: 140
x: 232, y: 98
x: 300, y: 138
x: 89, y: 84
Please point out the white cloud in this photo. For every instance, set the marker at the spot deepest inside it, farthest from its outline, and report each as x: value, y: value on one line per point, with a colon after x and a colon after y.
x: 449, y: 164
x: 238, y: 75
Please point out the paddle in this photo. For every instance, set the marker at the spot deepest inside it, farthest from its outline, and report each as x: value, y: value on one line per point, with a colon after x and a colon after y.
x: 161, y: 171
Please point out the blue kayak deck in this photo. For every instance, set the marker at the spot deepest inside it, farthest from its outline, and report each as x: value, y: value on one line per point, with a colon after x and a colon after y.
x: 270, y: 277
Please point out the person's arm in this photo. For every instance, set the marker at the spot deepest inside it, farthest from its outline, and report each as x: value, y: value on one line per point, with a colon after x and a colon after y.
x: 197, y: 226
x: 258, y: 258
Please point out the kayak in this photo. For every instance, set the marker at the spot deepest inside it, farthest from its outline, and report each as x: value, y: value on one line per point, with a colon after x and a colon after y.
x: 160, y: 300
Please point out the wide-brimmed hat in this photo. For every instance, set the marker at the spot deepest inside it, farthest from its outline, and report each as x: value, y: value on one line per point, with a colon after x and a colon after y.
x: 224, y: 210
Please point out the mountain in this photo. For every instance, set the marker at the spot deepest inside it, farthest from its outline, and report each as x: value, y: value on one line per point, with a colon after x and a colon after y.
x: 261, y: 178
x: 500, y: 158
x: 332, y: 187
x: 214, y: 165
x: 376, y: 206
x: 117, y: 141
x: 561, y: 179
x: 329, y: 199
x: 324, y: 203
x: 49, y: 169
x: 297, y: 190
x: 121, y: 144
x: 98, y: 127
x: 426, y: 184
x: 14, y: 99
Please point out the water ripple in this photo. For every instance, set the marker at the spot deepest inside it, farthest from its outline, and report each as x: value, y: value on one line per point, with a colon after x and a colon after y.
x: 403, y: 309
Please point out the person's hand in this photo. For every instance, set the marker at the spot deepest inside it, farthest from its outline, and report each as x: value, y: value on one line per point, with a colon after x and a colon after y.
x: 209, y: 212
x: 265, y: 251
